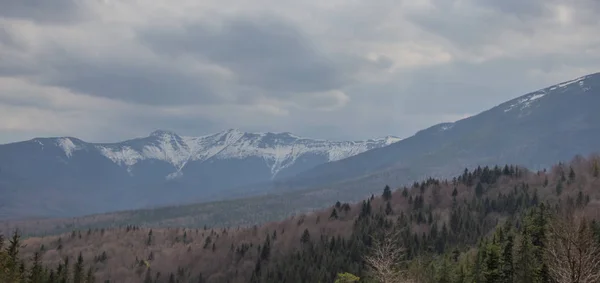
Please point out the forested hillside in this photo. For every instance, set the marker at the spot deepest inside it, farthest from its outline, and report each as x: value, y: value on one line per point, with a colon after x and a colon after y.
x: 490, y: 224
x: 15, y: 269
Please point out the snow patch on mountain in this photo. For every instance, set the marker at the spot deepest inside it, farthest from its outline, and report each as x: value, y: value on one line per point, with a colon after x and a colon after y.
x: 68, y: 146
x: 528, y: 100
x: 39, y: 142
x: 279, y: 150
x: 124, y: 156
x: 567, y: 83
x: 446, y: 126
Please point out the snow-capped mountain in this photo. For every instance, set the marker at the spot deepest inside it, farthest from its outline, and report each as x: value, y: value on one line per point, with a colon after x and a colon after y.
x: 278, y: 150
x: 154, y: 170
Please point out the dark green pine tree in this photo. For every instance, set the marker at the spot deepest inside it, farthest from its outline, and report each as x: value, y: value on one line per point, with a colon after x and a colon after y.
x: 78, y: 270
x: 571, y: 175
x: 65, y: 274
x: 525, y: 263
x: 478, y: 266
x: 580, y: 199
x: 444, y: 271
x: 305, y: 237
x: 492, y: 272
x: 52, y: 277
x: 36, y: 273
x: 149, y: 239
x: 89, y: 278
x: 366, y: 209
x: 22, y: 272
x: 507, y: 260
x: 266, y: 249
x: 388, y: 209
x: 12, y: 261
x: 387, y: 193
x: 334, y: 214
x: 479, y: 190
x: 559, y: 188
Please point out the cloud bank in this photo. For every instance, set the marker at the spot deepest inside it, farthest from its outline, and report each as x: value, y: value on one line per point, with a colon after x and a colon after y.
x: 115, y: 69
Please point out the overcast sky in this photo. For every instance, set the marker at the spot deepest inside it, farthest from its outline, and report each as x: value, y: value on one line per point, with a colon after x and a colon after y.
x: 107, y: 70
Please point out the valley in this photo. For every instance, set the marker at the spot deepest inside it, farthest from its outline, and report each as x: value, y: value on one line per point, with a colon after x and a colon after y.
x: 442, y: 220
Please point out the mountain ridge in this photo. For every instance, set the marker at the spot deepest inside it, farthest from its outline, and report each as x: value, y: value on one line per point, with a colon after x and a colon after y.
x: 177, y: 150
x: 160, y: 169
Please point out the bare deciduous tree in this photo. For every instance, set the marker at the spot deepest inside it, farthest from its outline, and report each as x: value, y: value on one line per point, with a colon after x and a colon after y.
x: 386, y: 258
x: 572, y: 252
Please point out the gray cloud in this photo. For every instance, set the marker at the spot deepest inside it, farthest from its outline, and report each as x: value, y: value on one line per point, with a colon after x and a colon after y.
x: 474, y: 24
x: 136, y: 82
x: 531, y: 8
x: 352, y: 70
x: 264, y: 52
x: 539, y: 8
x: 43, y: 11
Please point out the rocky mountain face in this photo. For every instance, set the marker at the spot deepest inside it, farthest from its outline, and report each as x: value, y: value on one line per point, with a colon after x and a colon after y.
x: 66, y: 174
x: 535, y: 130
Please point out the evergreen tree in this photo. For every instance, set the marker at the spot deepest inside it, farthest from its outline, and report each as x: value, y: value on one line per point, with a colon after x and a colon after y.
x: 405, y: 192
x: 305, y: 237
x: 149, y: 239
x: 65, y: 275
x: 525, y: 260
x: 387, y: 193
x: 571, y: 175
x: 78, y: 270
x: 492, y: 271
x: 266, y: 249
x: 35, y: 274
x: 479, y: 189
x: 388, y: 209
x: 559, y: 188
x: 11, y: 263
x: 89, y: 278
x: 334, y: 214
x: 507, y: 260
